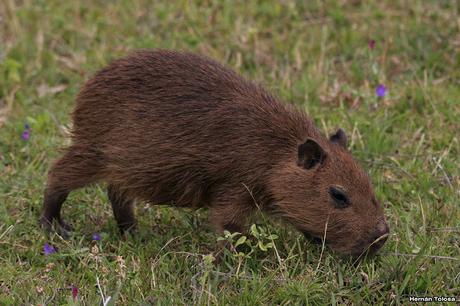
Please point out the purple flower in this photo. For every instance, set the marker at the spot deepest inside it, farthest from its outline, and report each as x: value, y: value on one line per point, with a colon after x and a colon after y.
x: 74, y: 292
x: 25, y: 135
x: 96, y: 237
x: 380, y: 91
x: 48, y: 249
x: 371, y: 44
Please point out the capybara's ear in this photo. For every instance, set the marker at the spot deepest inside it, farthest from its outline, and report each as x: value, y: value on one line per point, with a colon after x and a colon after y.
x: 310, y: 154
x: 339, y: 138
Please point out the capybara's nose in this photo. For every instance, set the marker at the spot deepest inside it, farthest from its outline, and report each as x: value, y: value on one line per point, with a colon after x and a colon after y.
x: 379, y: 237
x: 382, y: 228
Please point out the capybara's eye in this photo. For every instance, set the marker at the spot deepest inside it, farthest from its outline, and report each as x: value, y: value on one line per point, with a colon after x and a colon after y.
x: 339, y: 197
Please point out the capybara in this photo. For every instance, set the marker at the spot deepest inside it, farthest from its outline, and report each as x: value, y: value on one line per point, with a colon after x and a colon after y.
x: 169, y: 127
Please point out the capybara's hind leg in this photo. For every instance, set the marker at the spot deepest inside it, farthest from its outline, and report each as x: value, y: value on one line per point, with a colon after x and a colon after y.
x: 52, y: 210
x: 122, y: 207
x: 77, y: 168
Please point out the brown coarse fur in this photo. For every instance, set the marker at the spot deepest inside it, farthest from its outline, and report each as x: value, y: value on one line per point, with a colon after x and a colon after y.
x: 178, y: 128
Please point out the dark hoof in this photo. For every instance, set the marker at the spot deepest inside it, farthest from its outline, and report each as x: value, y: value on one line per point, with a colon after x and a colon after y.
x: 46, y: 225
x: 222, y: 247
x: 218, y: 256
x: 128, y: 229
x: 66, y: 226
x: 61, y: 227
x: 64, y: 232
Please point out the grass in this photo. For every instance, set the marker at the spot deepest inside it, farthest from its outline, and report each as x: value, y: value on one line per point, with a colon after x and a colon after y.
x: 314, y: 54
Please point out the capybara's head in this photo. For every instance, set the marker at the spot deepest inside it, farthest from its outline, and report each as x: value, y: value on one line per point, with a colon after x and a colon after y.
x: 325, y: 194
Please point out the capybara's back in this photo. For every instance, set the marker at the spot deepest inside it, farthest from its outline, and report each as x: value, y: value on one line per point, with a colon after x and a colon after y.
x: 177, y: 128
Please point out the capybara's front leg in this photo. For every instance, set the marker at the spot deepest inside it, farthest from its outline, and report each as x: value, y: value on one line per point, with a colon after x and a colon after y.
x: 229, y: 215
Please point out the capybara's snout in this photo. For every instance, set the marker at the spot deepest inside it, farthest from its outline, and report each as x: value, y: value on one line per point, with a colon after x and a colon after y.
x: 375, y: 242
x: 380, y: 237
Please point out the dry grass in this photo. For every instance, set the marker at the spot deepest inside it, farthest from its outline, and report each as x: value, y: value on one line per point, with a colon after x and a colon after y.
x: 314, y: 54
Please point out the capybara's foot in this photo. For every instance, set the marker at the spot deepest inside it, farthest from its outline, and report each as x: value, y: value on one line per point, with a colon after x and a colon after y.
x: 64, y: 233
x: 46, y: 225
x: 64, y: 229
x: 128, y: 228
x: 60, y: 227
x: 223, y: 247
x: 65, y: 226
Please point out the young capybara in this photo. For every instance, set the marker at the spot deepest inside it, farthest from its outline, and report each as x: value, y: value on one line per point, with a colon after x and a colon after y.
x: 177, y: 128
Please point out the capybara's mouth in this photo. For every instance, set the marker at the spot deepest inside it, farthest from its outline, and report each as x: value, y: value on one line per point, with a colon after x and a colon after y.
x: 369, y: 250
x: 361, y: 251
x: 377, y: 244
